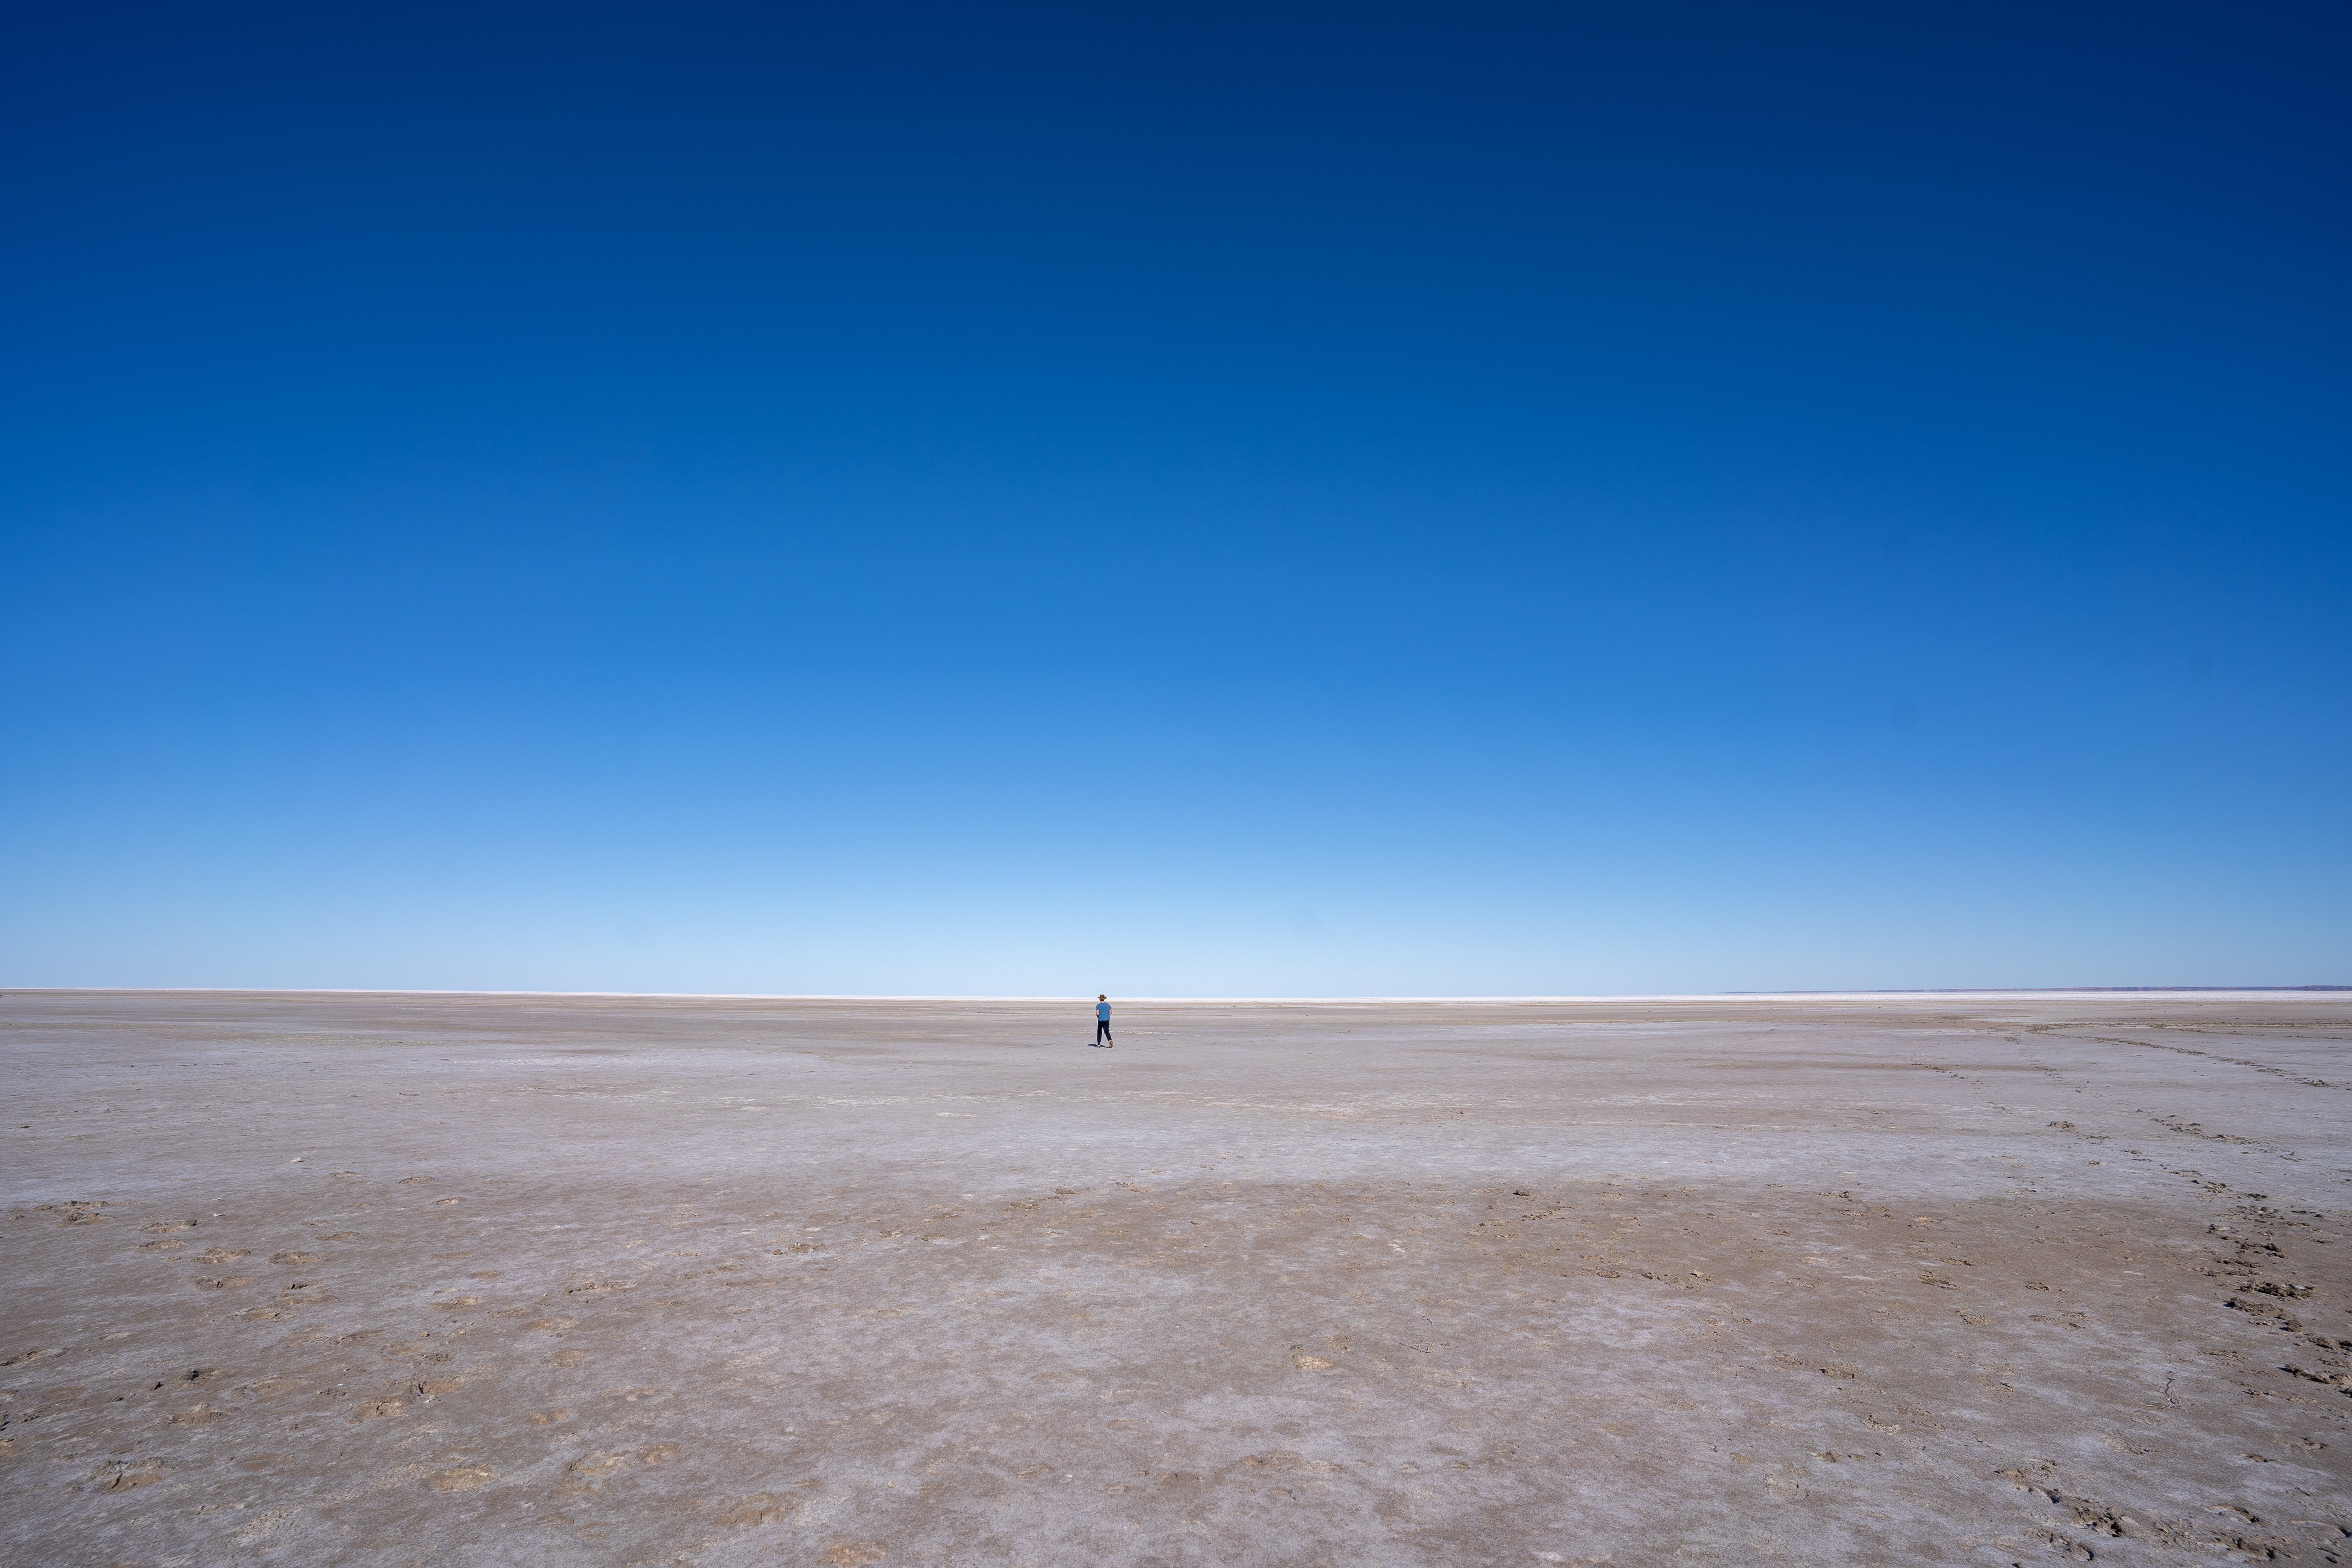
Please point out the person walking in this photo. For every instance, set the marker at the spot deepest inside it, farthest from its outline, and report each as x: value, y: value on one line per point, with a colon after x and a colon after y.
x: 1102, y: 1022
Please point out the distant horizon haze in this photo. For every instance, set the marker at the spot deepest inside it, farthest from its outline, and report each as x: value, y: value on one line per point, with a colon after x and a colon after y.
x: 1085, y: 1000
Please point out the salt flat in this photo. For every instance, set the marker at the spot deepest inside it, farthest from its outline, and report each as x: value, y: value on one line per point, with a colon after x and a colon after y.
x: 387, y: 1279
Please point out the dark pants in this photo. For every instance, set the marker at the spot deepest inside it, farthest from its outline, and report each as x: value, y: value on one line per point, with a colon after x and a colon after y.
x: 1102, y: 1030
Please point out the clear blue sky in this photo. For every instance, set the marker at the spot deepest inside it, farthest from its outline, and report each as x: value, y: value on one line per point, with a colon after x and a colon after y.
x: 1247, y: 500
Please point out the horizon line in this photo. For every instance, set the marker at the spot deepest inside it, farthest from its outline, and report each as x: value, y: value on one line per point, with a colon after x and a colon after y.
x: 914, y: 997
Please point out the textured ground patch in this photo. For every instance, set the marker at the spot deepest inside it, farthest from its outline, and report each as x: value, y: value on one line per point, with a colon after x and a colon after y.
x: 382, y: 1280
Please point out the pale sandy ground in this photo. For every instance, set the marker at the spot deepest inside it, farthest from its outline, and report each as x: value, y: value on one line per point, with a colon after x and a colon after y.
x: 447, y: 1279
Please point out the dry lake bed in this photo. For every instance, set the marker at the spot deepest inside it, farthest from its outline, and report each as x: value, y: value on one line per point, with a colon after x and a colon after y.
x: 445, y: 1279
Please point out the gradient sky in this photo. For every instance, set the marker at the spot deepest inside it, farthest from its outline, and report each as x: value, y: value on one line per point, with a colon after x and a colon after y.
x: 1247, y: 500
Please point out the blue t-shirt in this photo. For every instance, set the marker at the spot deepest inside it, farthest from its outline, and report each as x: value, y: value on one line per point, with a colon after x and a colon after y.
x: 1102, y: 1011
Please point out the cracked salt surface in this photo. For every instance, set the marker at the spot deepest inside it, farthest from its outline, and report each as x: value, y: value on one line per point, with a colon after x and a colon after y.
x: 1964, y: 1278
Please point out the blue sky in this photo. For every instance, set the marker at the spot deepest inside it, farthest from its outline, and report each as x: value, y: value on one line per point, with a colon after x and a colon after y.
x: 1252, y: 500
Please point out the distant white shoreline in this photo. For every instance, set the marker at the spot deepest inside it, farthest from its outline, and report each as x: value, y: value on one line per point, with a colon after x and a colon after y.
x: 2279, y: 990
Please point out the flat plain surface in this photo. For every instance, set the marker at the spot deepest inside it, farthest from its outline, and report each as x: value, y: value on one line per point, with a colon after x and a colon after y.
x: 387, y: 1279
